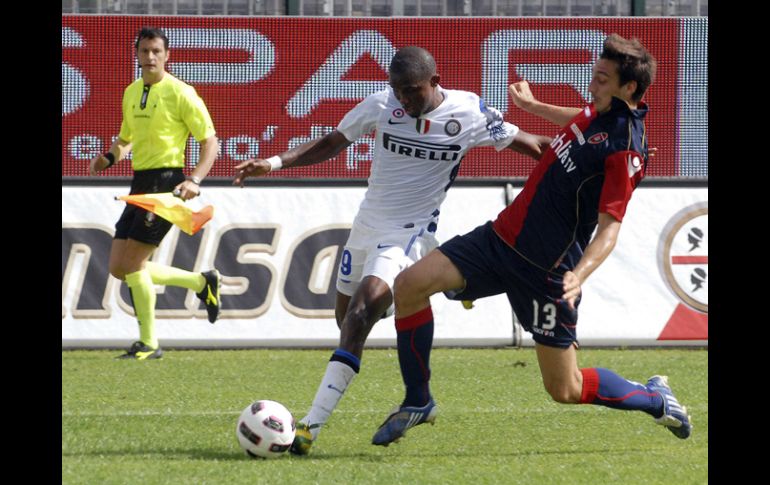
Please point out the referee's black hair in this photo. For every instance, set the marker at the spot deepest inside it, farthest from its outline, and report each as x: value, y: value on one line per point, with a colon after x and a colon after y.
x: 151, y: 33
x: 414, y: 63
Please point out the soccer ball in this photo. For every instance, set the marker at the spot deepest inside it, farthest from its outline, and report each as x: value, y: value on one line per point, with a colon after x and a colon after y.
x: 265, y: 429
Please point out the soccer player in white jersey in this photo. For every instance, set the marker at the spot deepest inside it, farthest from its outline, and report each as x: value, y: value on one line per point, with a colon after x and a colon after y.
x: 422, y: 133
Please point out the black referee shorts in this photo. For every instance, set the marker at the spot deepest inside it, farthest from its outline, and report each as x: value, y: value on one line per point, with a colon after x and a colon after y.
x: 139, y: 224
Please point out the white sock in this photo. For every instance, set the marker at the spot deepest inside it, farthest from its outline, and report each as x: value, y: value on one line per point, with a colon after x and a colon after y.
x: 336, y: 380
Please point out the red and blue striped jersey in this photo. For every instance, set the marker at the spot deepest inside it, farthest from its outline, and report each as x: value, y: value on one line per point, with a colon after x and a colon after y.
x: 592, y: 166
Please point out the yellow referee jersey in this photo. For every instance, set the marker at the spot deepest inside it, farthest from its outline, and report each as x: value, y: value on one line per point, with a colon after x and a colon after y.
x: 157, y: 119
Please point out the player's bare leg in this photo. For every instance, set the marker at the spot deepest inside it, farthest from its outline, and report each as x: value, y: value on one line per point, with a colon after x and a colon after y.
x: 569, y: 384
x: 561, y: 377
x: 365, y: 308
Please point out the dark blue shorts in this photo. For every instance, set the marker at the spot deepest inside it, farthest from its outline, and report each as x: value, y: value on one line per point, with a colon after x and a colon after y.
x: 139, y: 224
x: 491, y: 267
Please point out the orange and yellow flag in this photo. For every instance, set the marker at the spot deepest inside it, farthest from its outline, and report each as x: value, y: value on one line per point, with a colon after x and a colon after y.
x: 173, y: 209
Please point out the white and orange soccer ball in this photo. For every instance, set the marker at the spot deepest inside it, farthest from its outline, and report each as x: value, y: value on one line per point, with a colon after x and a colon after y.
x: 265, y: 429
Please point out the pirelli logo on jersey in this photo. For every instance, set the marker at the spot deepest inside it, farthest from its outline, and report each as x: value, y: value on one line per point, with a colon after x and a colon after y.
x: 420, y: 149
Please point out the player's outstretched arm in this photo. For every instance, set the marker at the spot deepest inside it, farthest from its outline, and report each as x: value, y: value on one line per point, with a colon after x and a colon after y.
x: 309, y: 153
x: 529, y: 144
x: 523, y: 98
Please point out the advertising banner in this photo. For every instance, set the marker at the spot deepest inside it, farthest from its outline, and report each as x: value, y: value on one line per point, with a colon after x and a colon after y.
x: 271, y: 83
x: 278, y: 249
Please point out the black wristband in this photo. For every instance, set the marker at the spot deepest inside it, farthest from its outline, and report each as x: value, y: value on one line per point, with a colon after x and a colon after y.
x: 110, y: 158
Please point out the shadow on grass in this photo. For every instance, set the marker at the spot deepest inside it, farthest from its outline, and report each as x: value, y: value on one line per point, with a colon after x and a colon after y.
x: 374, y: 455
x: 381, y: 455
x: 165, y: 453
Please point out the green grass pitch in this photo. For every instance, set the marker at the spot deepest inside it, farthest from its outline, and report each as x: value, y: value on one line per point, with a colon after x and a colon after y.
x: 173, y: 421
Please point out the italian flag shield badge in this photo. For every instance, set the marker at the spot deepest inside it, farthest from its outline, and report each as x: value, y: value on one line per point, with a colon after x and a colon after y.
x: 422, y: 126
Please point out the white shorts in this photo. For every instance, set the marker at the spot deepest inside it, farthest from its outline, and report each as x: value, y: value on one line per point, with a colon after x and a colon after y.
x: 370, y: 252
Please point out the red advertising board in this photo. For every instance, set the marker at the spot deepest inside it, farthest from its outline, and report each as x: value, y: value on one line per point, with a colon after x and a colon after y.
x: 273, y: 82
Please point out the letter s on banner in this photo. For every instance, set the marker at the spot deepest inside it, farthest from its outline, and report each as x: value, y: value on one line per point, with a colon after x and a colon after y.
x: 74, y: 85
x: 254, y: 277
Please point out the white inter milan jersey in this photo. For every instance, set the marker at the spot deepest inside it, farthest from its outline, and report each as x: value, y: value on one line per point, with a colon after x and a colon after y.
x: 416, y: 159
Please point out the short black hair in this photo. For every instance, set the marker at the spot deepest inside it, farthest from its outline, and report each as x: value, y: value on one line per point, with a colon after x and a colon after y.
x: 634, y: 62
x: 151, y: 33
x: 413, y: 63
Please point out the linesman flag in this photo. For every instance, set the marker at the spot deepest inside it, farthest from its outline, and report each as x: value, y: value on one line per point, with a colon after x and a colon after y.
x: 172, y: 208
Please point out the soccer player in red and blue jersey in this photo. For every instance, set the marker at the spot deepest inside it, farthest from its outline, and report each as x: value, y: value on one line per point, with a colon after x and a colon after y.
x: 539, y: 250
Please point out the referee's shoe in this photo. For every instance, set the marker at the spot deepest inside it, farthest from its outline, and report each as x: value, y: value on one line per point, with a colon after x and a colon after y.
x: 210, y: 294
x: 140, y: 351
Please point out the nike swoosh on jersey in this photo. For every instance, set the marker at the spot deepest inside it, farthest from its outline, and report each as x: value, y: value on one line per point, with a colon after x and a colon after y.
x: 391, y: 122
x: 383, y: 246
